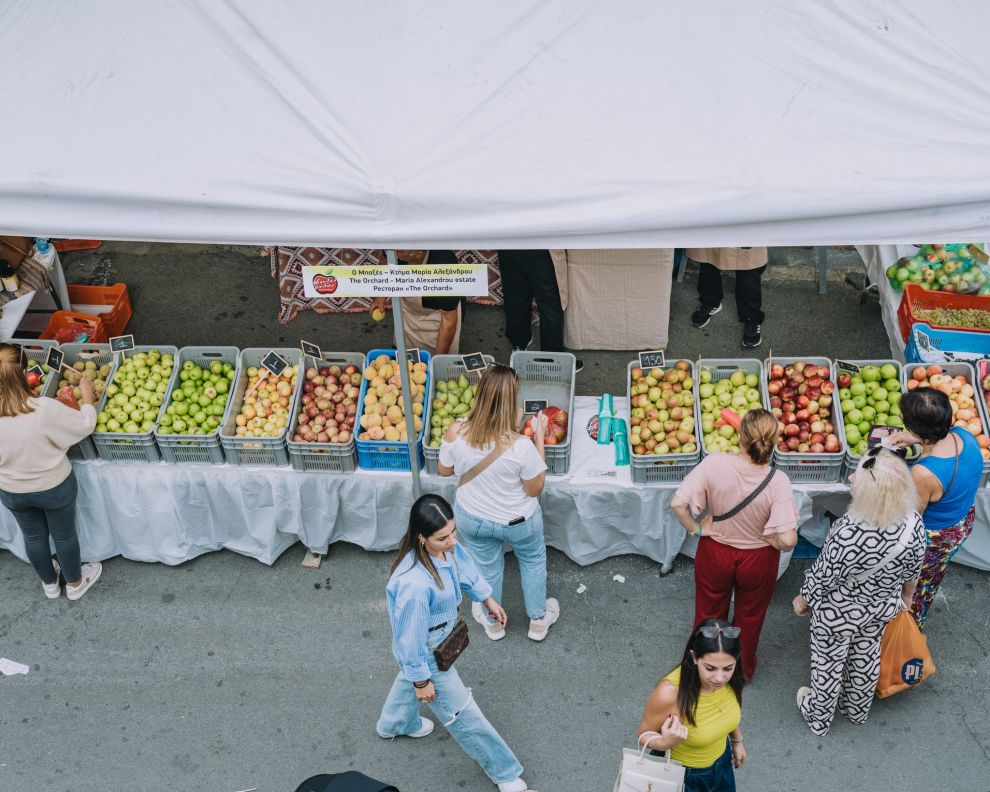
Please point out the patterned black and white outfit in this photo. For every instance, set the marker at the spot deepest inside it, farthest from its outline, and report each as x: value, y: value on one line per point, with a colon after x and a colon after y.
x: 848, y: 617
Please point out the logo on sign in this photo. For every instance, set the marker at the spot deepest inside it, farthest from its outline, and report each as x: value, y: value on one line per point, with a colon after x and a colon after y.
x: 324, y: 284
x: 912, y: 671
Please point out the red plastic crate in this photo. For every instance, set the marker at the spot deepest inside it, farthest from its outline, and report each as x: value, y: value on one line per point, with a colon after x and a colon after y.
x: 65, y: 245
x: 917, y: 299
x: 61, y: 319
x: 115, y: 320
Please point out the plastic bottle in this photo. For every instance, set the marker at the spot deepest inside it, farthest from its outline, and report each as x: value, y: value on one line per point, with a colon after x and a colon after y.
x: 605, y: 419
x: 621, y: 441
x: 44, y: 253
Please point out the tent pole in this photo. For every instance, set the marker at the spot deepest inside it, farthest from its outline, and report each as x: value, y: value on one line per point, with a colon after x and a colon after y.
x: 400, y: 356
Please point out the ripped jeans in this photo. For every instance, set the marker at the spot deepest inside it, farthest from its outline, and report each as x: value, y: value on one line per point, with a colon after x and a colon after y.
x: 455, y: 709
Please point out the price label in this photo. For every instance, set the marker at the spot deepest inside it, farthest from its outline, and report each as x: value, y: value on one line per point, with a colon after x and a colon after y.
x: 122, y: 343
x: 852, y: 368
x: 311, y: 349
x: 55, y: 357
x: 36, y: 369
x: 412, y: 355
x: 274, y: 363
x: 535, y: 405
x: 923, y: 341
x: 652, y: 359
x: 474, y: 362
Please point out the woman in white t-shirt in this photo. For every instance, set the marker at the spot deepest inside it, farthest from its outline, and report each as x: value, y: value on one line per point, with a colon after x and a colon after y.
x: 501, y: 502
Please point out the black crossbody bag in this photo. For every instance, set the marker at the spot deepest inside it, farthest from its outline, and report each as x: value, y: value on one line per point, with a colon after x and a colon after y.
x: 748, y: 500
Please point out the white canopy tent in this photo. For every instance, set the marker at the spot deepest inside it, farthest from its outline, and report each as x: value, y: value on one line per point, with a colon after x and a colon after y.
x: 536, y: 123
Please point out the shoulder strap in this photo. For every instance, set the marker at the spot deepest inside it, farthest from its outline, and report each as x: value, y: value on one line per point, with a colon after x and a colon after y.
x: 752, y: 496
x: 483, y: 465
x: 899, y: 547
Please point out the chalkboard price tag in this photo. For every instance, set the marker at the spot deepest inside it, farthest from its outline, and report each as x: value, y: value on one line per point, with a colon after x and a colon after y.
x: 274, y: 363
x: 36, y: 369
x: 474, y: 362
x: 122, y: 343
x: 653, y: 359
x: 852, y: 368
x: 535, y: 405
x: 922, y: 340
x: 311, y: 349
x: 412, y: 355
x: 55, y: 357
x: 879, y: 433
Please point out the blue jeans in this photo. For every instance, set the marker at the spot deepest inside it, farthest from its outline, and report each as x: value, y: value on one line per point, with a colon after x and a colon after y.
x: 457, y: 711
x: 49, y: 513
x: 717, y: 777
x: 484, y: 540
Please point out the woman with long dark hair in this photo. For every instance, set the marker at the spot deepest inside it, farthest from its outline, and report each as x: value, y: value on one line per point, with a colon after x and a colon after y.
x: 423, y: 594
x: 697, y: 707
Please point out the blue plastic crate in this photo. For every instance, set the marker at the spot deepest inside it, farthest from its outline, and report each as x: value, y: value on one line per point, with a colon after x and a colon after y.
x: 805, y: 549
x: 947, y: 341
x: 385, y: 454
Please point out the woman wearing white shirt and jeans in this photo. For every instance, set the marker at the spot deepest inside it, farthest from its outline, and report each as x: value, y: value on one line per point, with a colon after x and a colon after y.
x: 499, y: 501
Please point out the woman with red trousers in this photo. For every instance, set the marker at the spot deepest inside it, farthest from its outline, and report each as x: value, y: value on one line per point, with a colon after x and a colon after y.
x: 745, y: 514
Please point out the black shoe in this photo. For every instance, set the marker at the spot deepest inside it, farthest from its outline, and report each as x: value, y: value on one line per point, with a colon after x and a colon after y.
x: 523, y: 348
x: 578, y: 365
x: 704, y: 314
x: 751, y: 335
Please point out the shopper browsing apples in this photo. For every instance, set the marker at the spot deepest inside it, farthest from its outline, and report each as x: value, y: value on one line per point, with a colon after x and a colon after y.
x: 36, y: 480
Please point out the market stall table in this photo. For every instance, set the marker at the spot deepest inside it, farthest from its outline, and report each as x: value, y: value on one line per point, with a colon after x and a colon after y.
x: 173, y: 513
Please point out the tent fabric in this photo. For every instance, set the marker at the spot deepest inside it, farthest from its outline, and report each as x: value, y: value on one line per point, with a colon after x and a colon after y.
x: 530, y: 124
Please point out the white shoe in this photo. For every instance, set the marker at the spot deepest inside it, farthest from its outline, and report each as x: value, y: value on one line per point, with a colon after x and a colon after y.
x: 802, y: 694
x: 54, y: 590
x: 516, y: 785
x: 538, y: 628
x: 90, y: 574
x: 425, y: 729
x: 493, y: 630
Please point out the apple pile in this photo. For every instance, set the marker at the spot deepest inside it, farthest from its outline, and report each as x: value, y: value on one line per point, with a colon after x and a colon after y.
x: 88, y: 370
x: 197, y: 406
x: 383, y: 417
x: 801, y: 399
x: 870, y: 397
x: 962, y: 396
x: 36, y: 383
x: 329, y: 405
x: 556, y: 426
x: 661, y: 415
x: 454, y: 399
x: 135, y: 393
x: 265, y: 409
x: 739, y: 392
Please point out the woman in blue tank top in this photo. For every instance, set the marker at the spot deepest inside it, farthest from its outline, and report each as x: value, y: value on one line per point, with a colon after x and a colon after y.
x: 947, y: 476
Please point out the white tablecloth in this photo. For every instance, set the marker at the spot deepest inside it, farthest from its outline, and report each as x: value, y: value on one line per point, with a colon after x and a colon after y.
x: 173, y: 513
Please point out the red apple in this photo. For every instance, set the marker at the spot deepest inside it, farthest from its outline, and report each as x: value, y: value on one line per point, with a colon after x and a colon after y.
x: 817, y: 437
x: 793, y: 444
x: 776, y: 371
x: 791, y: 430
x: 775, y: 401
x: 802, y: 401
x: 832, y: 444
x: 774, y: 387
x: 817, y: 448
x: 823, y: 372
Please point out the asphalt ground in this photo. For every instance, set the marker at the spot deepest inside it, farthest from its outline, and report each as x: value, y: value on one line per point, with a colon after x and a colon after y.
x: 223, y: 674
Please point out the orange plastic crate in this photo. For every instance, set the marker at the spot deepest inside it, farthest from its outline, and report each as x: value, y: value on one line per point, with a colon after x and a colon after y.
x: 61, y: 319
x: 917, y: 299
x: 65, y: 245
x: 115, y: 320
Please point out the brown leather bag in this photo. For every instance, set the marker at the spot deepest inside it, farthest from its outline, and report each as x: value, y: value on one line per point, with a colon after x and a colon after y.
x: 452, y: 646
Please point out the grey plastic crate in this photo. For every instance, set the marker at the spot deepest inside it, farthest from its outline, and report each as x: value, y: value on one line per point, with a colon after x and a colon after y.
x: 722, y: 368
x: 322, y: 457
x: 37, y: 349
x: 100, y: 354
x: 197, y: 449
x: 140, y: 447
x: 442, y: 367
x: 264, y: 451
x: 663, y: 468
x: 550, y: 376
x: 805, y: 467
x: 851, y: 460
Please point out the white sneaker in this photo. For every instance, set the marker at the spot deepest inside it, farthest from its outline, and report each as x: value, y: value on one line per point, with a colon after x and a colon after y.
x: 493, y: 630
x: 516, y: 785
x: 54, y: 590
x: 90, y: 574
x: 425, y: 729
x: 802, y: 694
x: 538, y: 628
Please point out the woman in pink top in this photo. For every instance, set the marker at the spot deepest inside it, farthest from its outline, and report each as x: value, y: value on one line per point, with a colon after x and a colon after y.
x: 744, y: 511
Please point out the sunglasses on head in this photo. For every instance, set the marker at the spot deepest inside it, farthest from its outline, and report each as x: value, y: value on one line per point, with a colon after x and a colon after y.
x: 712, y: 631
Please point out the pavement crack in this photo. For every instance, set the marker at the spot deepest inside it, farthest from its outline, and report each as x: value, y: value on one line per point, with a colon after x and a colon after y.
x: 972, y: 733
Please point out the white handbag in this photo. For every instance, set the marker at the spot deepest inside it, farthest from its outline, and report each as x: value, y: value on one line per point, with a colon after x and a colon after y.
x: 641, y: 773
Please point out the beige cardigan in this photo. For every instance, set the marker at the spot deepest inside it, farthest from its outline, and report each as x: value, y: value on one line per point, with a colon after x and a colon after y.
x: 730, y: 258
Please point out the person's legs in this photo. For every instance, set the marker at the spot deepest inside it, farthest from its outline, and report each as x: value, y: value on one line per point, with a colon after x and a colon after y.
x: 709, y: 285
x: 749, y: 295
x: 60, y: 512
x: 530, y: 547
x: 34, y: 527
x: 517, y: 298
x: 546, y: 292
x: 829, y: 651
x: 861, y: 672
x: 400, y: 713
x: 942, y: 545
x: 756, y: 579
x: 479, y: 538
x: 714, y: 574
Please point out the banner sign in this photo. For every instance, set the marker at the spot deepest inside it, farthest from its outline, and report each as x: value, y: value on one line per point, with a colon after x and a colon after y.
x: 404, y: 280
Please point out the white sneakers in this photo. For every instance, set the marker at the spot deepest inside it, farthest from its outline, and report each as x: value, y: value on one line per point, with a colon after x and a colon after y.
x: 90, y: 574
x: 538, y: 628
x: 516, y: 785
x: 424, y: 730
x: 493, y: 630
x: 802, y: 694
x: 54, y: 590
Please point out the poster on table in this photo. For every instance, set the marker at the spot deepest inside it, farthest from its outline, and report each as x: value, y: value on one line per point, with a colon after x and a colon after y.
x: 403, y: 280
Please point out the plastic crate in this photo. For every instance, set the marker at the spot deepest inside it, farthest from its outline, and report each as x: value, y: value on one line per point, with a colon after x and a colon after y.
x: 140, y: 447
x: 62, y: 319
x: 323, y: 457
x: 975, y: 343
x: 111, y: 303
x: 663, y: 468
x: 550, y: 376
x: 265, y: 451
x: 443, y: 367
x: 100, y: 354
x: 37, y: 350
x: 916, y: 299
x: 197, y: 449
x: 722, y: 368
x: 804, y: 468
x: 850, y: 456
x: 384, y: 454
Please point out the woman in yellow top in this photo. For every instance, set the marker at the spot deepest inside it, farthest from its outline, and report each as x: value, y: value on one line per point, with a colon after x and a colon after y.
x: 696, y: 709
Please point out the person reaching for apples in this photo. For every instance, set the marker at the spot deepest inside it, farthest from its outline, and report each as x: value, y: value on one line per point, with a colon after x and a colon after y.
x: 502, y: 475
x: 36, y: 480
x: 746, y: 516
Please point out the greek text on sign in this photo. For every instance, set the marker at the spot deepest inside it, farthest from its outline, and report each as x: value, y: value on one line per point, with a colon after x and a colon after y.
x: 404, y: 280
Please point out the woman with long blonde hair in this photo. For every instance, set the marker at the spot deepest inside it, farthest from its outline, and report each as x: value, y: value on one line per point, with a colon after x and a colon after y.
x: 36, y: 480
x: 866, y: 573
x: 502, y: 475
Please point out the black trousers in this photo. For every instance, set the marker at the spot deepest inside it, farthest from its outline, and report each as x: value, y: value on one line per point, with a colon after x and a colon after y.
x: 749, y: 291
x: 528, y: 275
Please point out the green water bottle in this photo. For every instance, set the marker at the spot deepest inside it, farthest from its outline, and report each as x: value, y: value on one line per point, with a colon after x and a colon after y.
x: 605, y: 419
x: 621, y: 442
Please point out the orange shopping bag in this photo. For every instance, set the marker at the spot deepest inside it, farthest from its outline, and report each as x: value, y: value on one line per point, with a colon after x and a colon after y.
x: 904, y: 657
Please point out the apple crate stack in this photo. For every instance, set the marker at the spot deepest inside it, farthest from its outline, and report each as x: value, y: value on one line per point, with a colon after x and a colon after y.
x: 100, y: 355
x: 447, y: 377
x: 846, y: 373
x: 663, y: 407
x: 549, y: 376
x: 744, y: 376
x: 326, y: 457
